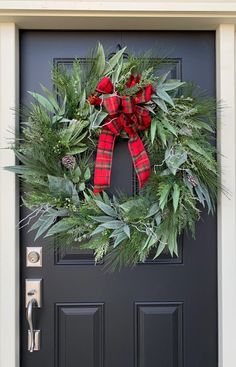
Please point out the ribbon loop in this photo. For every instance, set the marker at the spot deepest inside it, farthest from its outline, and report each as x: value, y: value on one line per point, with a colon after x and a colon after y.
x: 112, y: 104
x: 105, y: 86
x: 124, y: 113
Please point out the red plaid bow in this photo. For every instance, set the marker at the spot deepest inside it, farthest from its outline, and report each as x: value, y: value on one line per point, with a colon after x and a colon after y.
x: 124, y: 113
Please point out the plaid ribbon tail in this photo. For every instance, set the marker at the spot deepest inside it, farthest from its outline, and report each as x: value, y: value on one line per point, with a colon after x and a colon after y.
x: 124, y: 113
x: 140, y: 159
x: 103, y: 163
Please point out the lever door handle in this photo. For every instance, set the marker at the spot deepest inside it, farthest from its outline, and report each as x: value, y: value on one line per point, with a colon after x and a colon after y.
x: 29, y: 316
x: 33, y: 300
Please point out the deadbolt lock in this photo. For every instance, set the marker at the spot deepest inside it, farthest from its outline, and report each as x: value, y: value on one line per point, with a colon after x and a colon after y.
x: 33, y: 256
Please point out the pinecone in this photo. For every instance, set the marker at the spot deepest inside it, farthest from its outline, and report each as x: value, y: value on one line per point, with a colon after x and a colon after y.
x: 192, y: 180
x: 68, y: 161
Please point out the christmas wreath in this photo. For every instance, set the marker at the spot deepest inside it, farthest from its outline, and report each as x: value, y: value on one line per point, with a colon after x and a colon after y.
x: 66, y: 150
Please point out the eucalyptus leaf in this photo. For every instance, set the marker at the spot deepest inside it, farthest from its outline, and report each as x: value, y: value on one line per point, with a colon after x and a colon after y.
x: 160, y: 103
x: 175, y: 196
x: 164, y: 193
x: 172, y: 242
x: 98, y: 118
x: 101, y: 61
x: 51, y: 98
x: 63, y: 186
x: 205, y: 126
x: 77, y: 150
x: 150, y: 109
x: 176, y: 252
x: 106, y: 198
x: 98, y: 230
x: 197, y: 148
x: 163, y: 78
x: 168, y: 126
x: 200, y: 195
x: 205, y: 192
x: 153, y: 210
x: 62, y: 109
x: 153, y: 240
x: 87, y: 174
x: 160, y: 249
x: 37, y: 223
x: 153, y: 129
x: 27, y: 160
x: 77, y: 172
x: 145, y: 244
x: 113, y: 61
x: 116, y: 75
x: 121, y: 237
x: 113, y: 224
x: 164, y: 96
x: 126, y: 229
x: 62, y: 226
x: 174, y: 158
x: 162, y: 134
x: 19, y: 169
x: 66, y: 133
x: 171, y: 84
x: 45, y: 224
x: 102, y: 218
x: 46, y: 220
x: 166, y: 172
x: 203, y: 195
x: 157, y: 219
x: 116, y: 232
x: 82, y: 99
x: 81, y: 186
x: 107, y: 209
x: 77, y: 140
x: 128, y: 205
x: 43, y: 101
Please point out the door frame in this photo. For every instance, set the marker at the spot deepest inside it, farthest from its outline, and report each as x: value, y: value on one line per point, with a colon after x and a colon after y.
x: 16, y: 15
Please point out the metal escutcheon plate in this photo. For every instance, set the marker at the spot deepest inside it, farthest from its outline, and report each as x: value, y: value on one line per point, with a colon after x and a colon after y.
x: 33, y: 289
x: 34, y: 257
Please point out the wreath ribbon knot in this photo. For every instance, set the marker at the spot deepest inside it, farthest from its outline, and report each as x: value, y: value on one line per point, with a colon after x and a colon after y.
x: 124, y: 114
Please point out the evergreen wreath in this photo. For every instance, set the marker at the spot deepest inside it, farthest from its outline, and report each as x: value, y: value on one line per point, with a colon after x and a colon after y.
x: 169, y: 130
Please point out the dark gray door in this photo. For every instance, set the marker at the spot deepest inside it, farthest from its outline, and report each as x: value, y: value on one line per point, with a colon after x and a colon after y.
x: 159, y: 314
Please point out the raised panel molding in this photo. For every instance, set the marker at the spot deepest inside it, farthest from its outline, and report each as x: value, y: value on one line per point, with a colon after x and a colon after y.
x: 159, y: 334
x: 79, y: 335
x: 75, y: 256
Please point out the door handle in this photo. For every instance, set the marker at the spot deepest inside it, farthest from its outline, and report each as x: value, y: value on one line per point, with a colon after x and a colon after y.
x: 29, y: 316
x: 33, y: 301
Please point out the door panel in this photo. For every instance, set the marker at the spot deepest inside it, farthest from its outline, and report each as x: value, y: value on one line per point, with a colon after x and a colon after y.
x: 164, y: 322
x: 82, y: 325
x: 162, y: 313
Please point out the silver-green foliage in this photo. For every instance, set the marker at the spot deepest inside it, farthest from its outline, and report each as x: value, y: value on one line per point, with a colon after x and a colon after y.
x: 180, y: 144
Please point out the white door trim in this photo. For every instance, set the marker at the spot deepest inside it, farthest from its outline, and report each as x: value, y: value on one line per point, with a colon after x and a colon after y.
x: 225, y: 65
x: 9, y: 208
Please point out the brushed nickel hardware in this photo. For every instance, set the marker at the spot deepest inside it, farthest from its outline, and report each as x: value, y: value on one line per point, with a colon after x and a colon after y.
x: 37, y: 336
x: 33, y: 290
x: 33, y: 256
x: 33, y: 345
x: 33, y: 300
